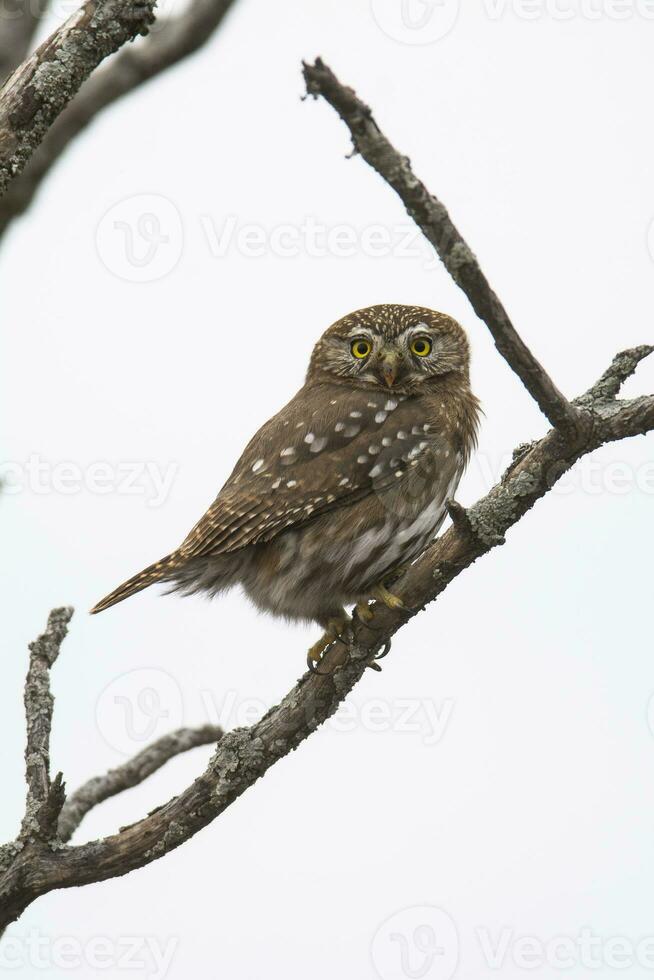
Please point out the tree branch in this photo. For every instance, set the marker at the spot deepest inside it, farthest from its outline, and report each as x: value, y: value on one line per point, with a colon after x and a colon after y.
x: 34, y: 95
x: 244, y: 755
x: 172, y: 41
x: 20, y: 18
x: 432, y: 218
x: 44, y: 799
x: 34, y: 865
x: 131, y: 773
x: 50, y: 820
x: 622, y: 367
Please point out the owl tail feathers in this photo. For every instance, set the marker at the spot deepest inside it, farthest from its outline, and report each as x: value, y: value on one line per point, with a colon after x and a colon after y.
x: 150, y: 575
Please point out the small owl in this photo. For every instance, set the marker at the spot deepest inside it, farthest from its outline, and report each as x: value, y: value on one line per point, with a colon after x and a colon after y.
x: 347, y: 483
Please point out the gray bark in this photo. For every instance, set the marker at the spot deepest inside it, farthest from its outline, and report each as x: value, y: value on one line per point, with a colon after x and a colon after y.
x: 171, y: 42
x: 35, y: 94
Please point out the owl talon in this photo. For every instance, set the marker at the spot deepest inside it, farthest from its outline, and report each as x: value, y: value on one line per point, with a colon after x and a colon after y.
x: 384, y: 652
x: 389, y: 599
x: 317, y: 652
x: 380, y: 656
x: 313, y: 667
x: 333, y: 632
x: 364, y: 612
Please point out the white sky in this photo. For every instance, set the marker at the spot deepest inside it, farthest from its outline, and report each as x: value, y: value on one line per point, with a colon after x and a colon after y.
x: 518, y: 796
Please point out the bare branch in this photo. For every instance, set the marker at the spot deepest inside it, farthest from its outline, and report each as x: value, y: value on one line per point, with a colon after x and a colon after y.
x: 37, y: 862
x: 131, y: 773
x: 244, y: 755
x: 20, y: 18
x: 172, y: 41
x: 39, y: 89
x: 432, y: 218
x: 622, y: 367
x: 44, y: 799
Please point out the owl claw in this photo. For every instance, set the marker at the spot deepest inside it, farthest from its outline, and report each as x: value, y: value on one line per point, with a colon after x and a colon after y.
x: 379, y: 656
x: 389, y: 599
x: 364, y: 612
x: 313, y: 665
x: 385, y: 650
x: 316, y: 653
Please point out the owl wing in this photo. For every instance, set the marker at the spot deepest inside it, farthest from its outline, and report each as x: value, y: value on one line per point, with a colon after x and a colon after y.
x: 331, y: 445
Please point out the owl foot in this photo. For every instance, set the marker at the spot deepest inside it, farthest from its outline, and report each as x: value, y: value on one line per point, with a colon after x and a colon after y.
x: 333, y: 631
x: 372, y: 664
x: 363, y: 612
x: 389, y: 599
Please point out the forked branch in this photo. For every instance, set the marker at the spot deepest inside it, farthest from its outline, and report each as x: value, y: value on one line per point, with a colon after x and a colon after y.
x: 29, y: 869
x: 40, y: 860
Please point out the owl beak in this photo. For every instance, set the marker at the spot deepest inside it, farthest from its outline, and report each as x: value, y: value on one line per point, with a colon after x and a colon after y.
x: 389, y: 366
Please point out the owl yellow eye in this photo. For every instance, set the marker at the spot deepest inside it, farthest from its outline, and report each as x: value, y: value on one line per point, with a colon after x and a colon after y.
x: 361, y: 348
x: 421, y: 346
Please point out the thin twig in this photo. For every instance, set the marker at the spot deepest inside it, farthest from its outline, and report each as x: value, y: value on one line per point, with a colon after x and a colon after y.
x: 622, y: 367
x: 131, y: 773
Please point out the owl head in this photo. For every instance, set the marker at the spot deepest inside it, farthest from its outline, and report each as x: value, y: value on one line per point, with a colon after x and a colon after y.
x: 391, y: 346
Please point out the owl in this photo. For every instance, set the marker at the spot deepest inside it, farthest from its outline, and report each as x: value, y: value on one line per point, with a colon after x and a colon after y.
x: 347, y: 484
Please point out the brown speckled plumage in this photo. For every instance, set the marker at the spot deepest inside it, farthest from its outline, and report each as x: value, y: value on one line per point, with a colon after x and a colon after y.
x: 347, y: 482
